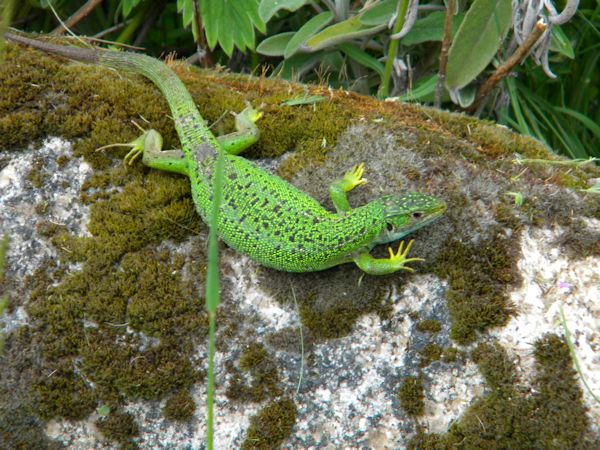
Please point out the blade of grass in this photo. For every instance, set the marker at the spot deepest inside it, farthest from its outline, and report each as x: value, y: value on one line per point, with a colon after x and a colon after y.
x: 563, y: 322
x: 212, y: 296
x: 585, y: 120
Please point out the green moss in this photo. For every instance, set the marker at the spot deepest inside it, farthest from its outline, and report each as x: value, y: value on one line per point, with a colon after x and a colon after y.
x: 451, y: 354
x: 262, y: 368
x: 143, y: 291
x: 271, y: 426
x: 493, y: 141
x: 551, y: 415
x: 19, y: 429
x: 35, y: 176
x: 478, y: 276
x: 119, y: 426
x: 493, y: 362
x: 430, y: 353
x: 412, y: 397
x: 180, y: 407
x: 333, y: 320
x: 64, y: 393
x: 429, y: 326
x: 3, y: 250
x: 579, y: 240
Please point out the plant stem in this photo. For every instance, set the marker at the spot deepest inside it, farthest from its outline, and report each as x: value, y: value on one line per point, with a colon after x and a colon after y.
x: 136, y: 21
x: 77, y: 17
x: 516, y: 58
x: 384, y: 88
x: 439, y: 88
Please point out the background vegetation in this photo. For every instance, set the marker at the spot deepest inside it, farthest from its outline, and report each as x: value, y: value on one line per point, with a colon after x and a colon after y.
x: 552, y: 95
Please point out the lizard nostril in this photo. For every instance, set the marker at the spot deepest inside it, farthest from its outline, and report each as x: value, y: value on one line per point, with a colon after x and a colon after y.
x: 417, y: 215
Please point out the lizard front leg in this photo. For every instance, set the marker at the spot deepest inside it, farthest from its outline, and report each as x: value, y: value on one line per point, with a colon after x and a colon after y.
x: 396, y: 261
x: 338, y: 189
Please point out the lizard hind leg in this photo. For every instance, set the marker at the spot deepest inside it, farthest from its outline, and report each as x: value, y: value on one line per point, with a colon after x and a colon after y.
x: 246, y: 133
x: 149, y: 146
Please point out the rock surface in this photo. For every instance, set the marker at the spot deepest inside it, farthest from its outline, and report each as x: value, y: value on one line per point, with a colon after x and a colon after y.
x: 105, y: 272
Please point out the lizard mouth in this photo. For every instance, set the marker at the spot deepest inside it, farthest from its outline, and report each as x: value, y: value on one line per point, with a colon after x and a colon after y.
x: 418, y: 219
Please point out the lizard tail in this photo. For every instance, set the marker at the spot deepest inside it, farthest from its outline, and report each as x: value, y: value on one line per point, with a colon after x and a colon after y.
x: 78, y: 54
x: 190, y: 125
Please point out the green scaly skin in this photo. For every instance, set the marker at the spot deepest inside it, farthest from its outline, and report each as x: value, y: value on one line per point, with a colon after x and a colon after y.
x: 261, y: 215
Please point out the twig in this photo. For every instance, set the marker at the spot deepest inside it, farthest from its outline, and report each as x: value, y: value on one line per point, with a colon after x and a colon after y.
x: 112, y: 29
x: 204, y: 56
x: 516, y: 58
x: 439, y: 88
x: 77, y: 17
x: 151, y: 16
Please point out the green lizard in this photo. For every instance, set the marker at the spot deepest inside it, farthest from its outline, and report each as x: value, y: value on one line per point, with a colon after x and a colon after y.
x: 261, y: 215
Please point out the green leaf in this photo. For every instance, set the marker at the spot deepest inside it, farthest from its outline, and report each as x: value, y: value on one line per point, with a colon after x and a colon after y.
x: 560, y: 43
x: 230, y: 23
x: 275, y: 45
x: 477, y: 41
x: 430, y: 28
x: 304, y: 100
x: 103, y: 410
x: 341, y: 32
x: 423, y: 91
x: 380, y: 13
x: 268, y: 8
x: 362, y: 57
x: 128, y: 5
x: 306, y: 31
x: 186, y: 9
x: 295, y: 67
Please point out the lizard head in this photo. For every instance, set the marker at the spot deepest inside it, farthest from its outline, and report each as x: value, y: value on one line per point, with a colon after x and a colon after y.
x: 406, y: 213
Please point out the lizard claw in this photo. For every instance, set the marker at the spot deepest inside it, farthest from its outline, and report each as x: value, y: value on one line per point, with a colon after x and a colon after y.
x: 354, y: 177
x: 248, y: 114
x: 399, y: 258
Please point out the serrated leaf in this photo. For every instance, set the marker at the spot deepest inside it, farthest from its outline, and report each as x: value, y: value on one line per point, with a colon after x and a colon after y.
x: 341, y: 32
x: 275, y: 45
x: 430, y: 28
x: 362, y: 57
x: 268, y: 8
x: 186, y: 9
x: 477, y: 41
x: 559, y: 42
x: 231, y: 23
x: 306, y: 31
x: 378, y: 14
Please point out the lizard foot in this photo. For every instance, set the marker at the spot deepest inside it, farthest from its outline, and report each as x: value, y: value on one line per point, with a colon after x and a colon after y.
x: 396, y: 261
x: 148, y: 140
x: 354, y: 177
x: 248, y: 115
x: 399, y: 259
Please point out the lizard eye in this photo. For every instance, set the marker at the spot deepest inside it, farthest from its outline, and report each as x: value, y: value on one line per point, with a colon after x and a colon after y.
x: 417, y: 215
x: 390, y: 227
